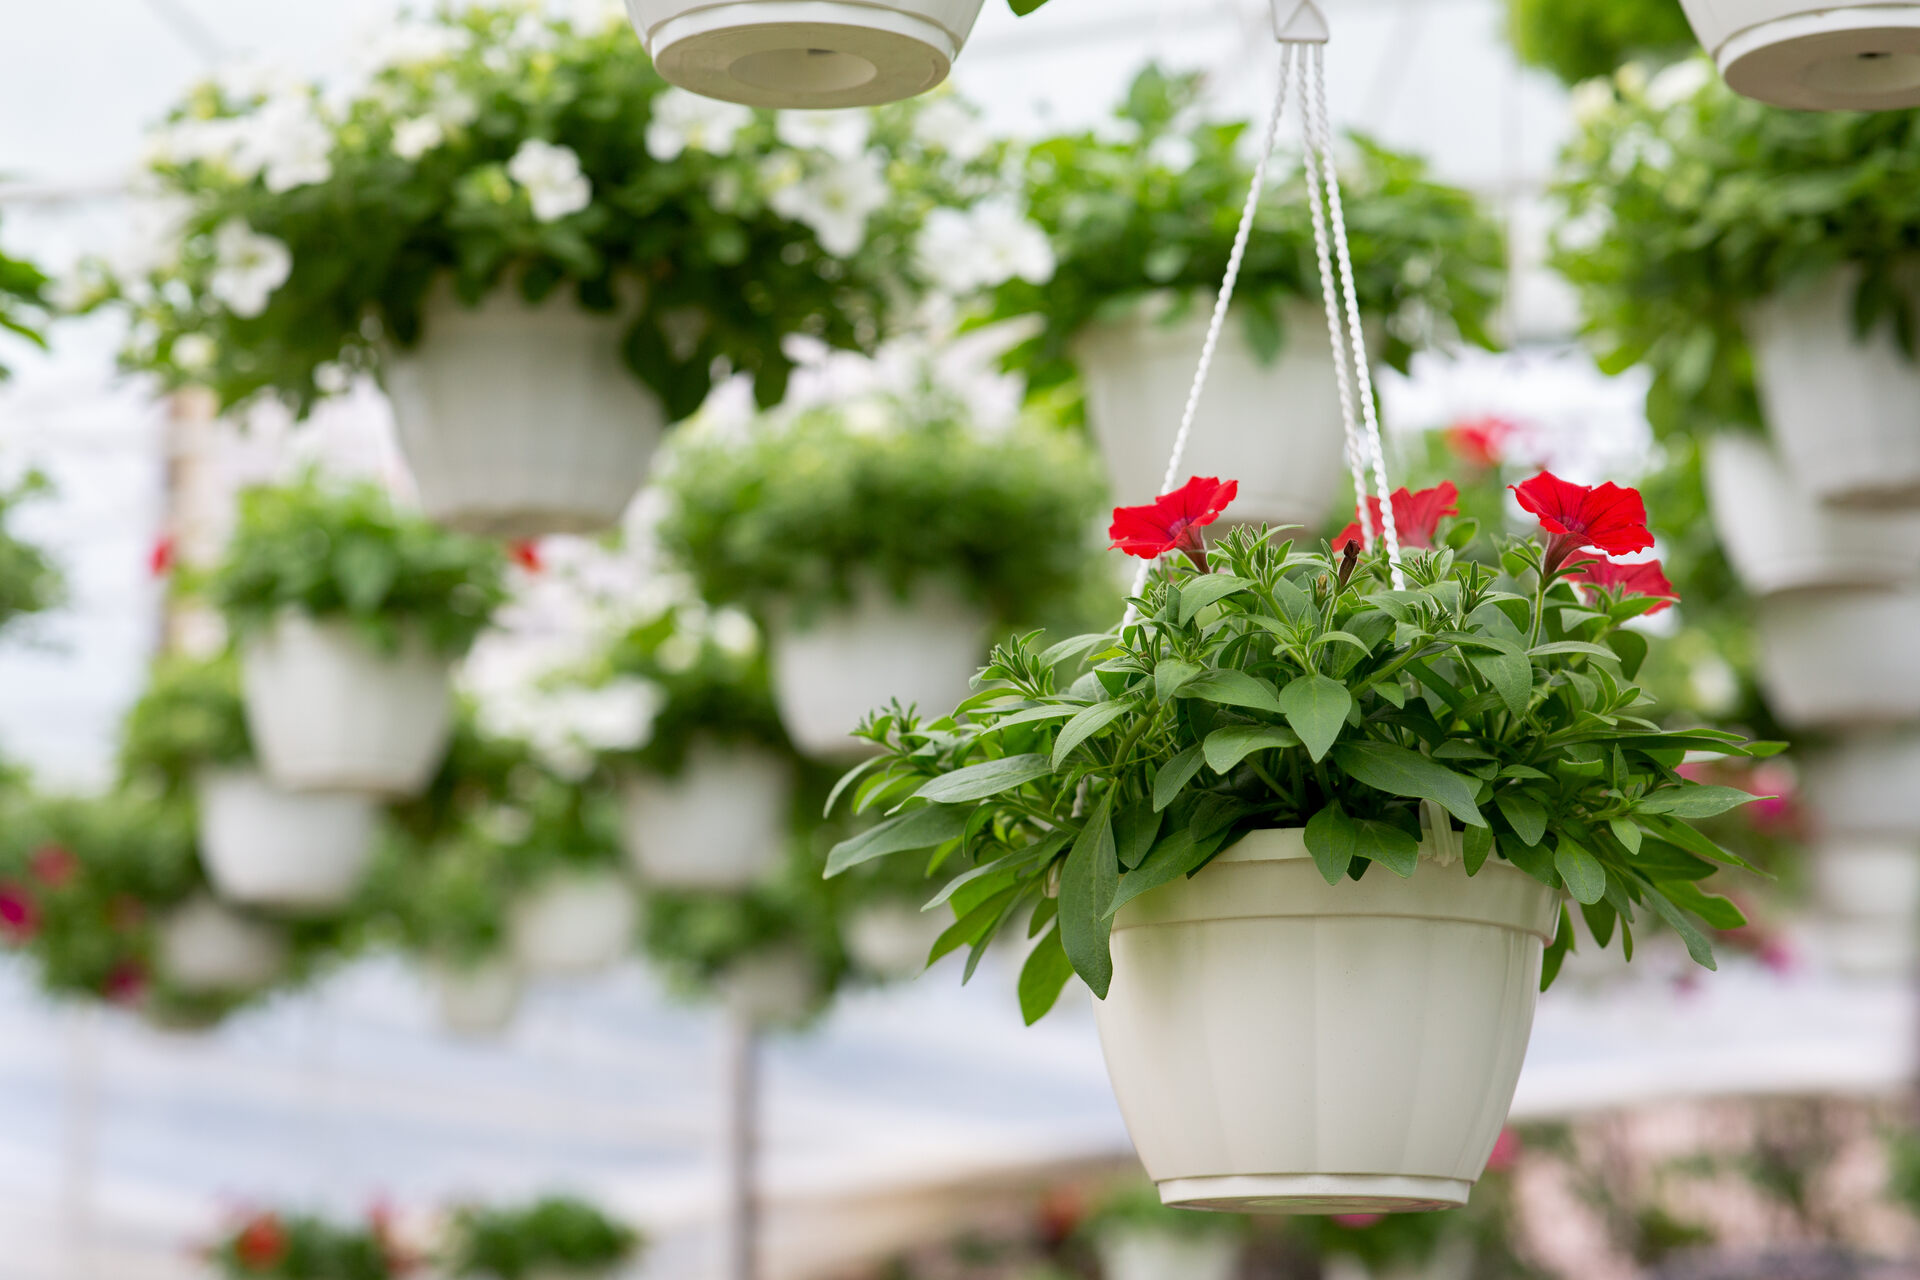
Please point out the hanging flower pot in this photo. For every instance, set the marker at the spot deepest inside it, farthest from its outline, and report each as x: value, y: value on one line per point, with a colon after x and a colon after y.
x: 1151, y: 1253
x: 892, y: 940
x: 204, y: 947
x: 1868, y: 889
x: 1275, y: 425
x: 1780, y: 538
x: 832, y: 669
x: 267, y: 847
x: 574, y: 922
x: 1834, y: 658
x: 519, y: 420
x: 329, y: 712
x: 1814, y: 56
x: 1844, y: 410
x: 1867, y: 784
x: 805, y: 53
x: 777, y: 987
x: 477, y: 999
x: 1343, y: 1088
x: 720, y: 825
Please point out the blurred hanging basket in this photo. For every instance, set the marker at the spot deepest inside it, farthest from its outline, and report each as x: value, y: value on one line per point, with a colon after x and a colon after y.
x: 805, y: 53
x: 720, y: 825
x: 267, y: 847
x: 477, y: 998
x: 1862, y: 785
x: 575, y: 922
x: 1868, y: 889
x: 205, y: 948
x: 1833, y: 659
x: 520, y: 420
x: 1814, y: 56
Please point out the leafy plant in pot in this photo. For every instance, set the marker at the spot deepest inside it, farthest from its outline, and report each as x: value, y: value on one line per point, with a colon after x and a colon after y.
x: 1141, y: 247
x: 347, y: 614
x: 876, y: 538
x: 1283, y: 763
x: 576, y: 910
x: 451, y: 900
x: 557, y: 1238
x: 273, y: 1246
x: 1579, y: 39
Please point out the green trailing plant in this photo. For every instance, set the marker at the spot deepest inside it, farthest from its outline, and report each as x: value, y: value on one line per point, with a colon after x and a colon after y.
x: 1479, y: 712
x: 272, y: 1246
x: 552, y: 1236
x: 1156, y: 214
x: 23, y: 303
x: 190, y: 718
x: 30, y: 582
x: 344, y: 553
x: 1686, y: 204
x: 1579, y: 39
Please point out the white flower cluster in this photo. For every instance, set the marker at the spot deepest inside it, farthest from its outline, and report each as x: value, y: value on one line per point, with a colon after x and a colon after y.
x: 552, y: 178
x: 967, y: 250
x: 248, y: 268
x: 284, y: 142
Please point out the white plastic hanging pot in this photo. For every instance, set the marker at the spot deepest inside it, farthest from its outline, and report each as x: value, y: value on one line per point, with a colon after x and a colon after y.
x: 576, y: 922
x: 721, y: 825
x: 1145, y: 1253
x: 1278, y: 1044
x: 268, y: 847
x: 830, y: 671
x: 1836, y: 658
x: 1814, y: 56
x: 1867, y: 784
x: 1780, y: 538
x: 1869, y: 893
x: 205, y: 947
x: 1844, y: 412
x: 519, y: 421
x: 805, y: 53
x: 773, y: 988
x: 328, y: 712
x: 1275, y: 428
x: 477, y: 999
x: 892, y: 940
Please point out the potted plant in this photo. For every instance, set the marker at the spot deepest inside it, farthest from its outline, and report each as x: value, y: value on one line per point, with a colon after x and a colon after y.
x: 574, y: 909
x: 1579, y: 39
x: 557, y: 1238
x: 1205, y: 804
x: 1138, y: 1238
x: 272, y: 1246
x: 348, y: 614
x: 450, y: 898
x: 877, y: 538
x: 1141, y: 248
x: 1796, y: 312
x: 1836, y: 658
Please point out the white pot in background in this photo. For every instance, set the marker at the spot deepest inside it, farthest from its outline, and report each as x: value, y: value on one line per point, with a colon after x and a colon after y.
x: 1866, y: 784
x: 805, y: 53
x: 1780, y: 538
x: 1275, y: 428
x: 209, y: 948
x: 891, y: 939
x: 1814, y: 56
x: 1281, y: 1045
x: 267, y: 847
x: 1144, y: 1253
x: 831, y: 671
x: 328, y: 712
x: 721, y: 825
x: 1845, y: 413
x: 477, y: 999
x: 773, y: 988
x: 1833, y: 658
x: 519, y: 421
x: 575, y: 922
x: 1868, y: 889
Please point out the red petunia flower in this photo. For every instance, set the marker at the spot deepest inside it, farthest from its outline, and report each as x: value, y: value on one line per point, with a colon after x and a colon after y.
x: 1416, y: 516
x: 53, y: 866
x: 1174, y: 521
x: 1605, y: 517
x: 1481, y: 442
x: 1646, y: 578
x: 160, y: 559
x: 1506, y: 1152
x: 261, y: 1244
x: 526, y: 553
x: 19, y: 918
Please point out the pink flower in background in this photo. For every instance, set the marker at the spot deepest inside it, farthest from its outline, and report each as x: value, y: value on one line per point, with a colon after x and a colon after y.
x: 1481, y: 442
x: 127, y: 983
x: 160, y: 559
x: 19, y: 918
x: 54, y: 866
x: 1506, y: 1152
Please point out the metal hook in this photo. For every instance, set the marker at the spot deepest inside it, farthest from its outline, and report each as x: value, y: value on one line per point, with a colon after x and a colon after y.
x: 1299, y: 22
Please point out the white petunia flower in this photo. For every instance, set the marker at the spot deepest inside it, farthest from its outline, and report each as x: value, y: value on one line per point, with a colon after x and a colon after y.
x: 836, y: 202
x: 735, y: 634
x: 333, y: 378
x: 194, y: 352
x: 413, y: 44
x: 287, y: 144
x: 191, y: 141
x: 842, y: 134
x: 980, y: 248
x: 553, y: 179
x: 678, y: 653
x: 945, y: 124
x: 685, y: 121
x: 1173, y: 152
x: 248, y: 268
x: 1592, y: 99
x: 1679, y: 83
x: 414, y: 138
x: 453, y: 106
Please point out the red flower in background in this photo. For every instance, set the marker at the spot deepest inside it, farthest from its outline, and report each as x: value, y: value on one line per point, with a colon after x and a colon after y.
x: 1173, y: 521
x: 19, y: 918
x: 526, y: 554
x: 127, y: 984
x: 1060, y: 1213
x: 1506, y: 1152
x: 261, y: 1244
x: 1358, y: 1221
x: 1416, y: 516
x: 1481, y: 442
x: 1646, y: 578
x: 160, y: 559
x: 1605, y: 517
x: 53, y: 866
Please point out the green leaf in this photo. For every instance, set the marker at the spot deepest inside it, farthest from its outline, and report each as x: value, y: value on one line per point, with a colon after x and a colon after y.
x: 366, y: 569
x: 1697, y: 944
x: 1227, y: 747
x: 1038, y: 853
x: 1630, y: 647
x: 1333, y: 840
x: 1526, y: 815
x: 1134, y: 831
x: 1085, y: 725
x: 850, y: 777
x: 1198, y: 593
x: 1570, y: 646
x: 1600, y: 918
x: 1400, y: 772
x: 988, y: 778
x: 1388, y: 845
x: 1695, y: 801
x: 1627, y: 832
x: 1557, y: 951
x: 977, y: 923
x: 916, y: 829
x: 1073, y: 647
x: 1087, y: 887
x: 1043, y: 977
x: 1178, y: 854
x: 1585, y: 878
x: 1718, y: 912
x: 1232, y: 688
x: 1317, y: 709
x: 1510, y: 675
x: 1476, y: 844
x: 1032, y: 715
x: 1170, y: 675
x: 1171, y: 778
x: 1678, y: 832
x: 1658, y: 860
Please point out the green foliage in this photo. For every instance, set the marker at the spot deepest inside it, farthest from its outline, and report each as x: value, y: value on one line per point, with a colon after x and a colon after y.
x: 1137, y: 1206
x: 804, y: 513
x: 1686, y: 204
x: 549, y: 1237
x: 1159, y: 212
x: 344, y: 552
x: 190, y: 718
x: 272, y: 1247
x: 1502, y: 702
x: 22, y: 304
x: 29, y: 581
x: 1579, y: 39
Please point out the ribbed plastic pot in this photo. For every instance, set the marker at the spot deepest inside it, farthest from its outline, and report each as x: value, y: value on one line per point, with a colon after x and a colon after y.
x: 805, y: 53
x: 477, y: 999
x: 328, y: 712
x: 205, y: 946
x: 831, y: 670
x: 1816, y: 57
x: 1844, y: 412
x: 264, y: 846
x: 575, y: 922
x: 777, y: 987
x: 1275, y: 427
x: 722, y: 824
x: 1280, y: 1045
x: 1866, y: 784
x: 1142, y: 1253
x: 1780, y: 538
x: 519, y: 421
x: 1868, y: 889
x: 1835, y: 659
